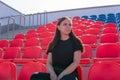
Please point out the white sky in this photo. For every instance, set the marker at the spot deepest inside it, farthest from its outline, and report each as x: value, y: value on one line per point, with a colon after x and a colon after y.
x: 35, y: 6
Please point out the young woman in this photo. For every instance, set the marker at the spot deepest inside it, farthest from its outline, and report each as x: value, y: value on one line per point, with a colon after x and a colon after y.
x: 64, y: 54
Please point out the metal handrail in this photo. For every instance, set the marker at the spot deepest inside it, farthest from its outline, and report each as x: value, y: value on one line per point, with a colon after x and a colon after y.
x: 29, y: 19
x: 10, y: 18
x: 37, y: 18
x: 22, y: 16
x: 33, y: 20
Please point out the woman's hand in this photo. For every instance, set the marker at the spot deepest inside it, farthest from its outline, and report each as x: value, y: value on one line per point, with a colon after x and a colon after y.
x: 53, y: 76
x: 60, y: 76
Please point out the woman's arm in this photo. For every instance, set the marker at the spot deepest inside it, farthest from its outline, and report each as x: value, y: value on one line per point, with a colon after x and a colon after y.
x: 50, y: 69
x: 72, y: 66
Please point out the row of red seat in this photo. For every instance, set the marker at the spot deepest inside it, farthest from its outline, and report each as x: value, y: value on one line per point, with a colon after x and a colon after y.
x: 103, y: 51
x: 102, y: 70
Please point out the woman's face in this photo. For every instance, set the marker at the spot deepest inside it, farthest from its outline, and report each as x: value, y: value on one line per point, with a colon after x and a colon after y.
x: 65, y: 27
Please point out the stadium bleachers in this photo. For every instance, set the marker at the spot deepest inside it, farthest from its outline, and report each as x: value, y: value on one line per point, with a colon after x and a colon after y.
x: 94, y: 31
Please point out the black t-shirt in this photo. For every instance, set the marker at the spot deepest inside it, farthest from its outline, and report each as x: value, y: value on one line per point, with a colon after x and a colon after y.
x: 63, y: 53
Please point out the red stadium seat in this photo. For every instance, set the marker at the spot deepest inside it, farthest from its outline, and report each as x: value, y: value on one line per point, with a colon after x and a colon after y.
x: 80, y: 75
x: 17, y: 43
x: 32, y: 42
x: 34, y: 52
x: 32, y: 35
x: 109, y: 38
x: 4, y: 43
x: 41, y: 29
x: 31, y: 31
x: 45, y: 42
x: 20, y: 36
x: 110, y: 25
x: 8, y: 71
x: 86, y: 55
x: 82, y: 27
x: 12, y: 53
x: 30, y: 68
x: 98, y: 23
x: 45, y: 34
x: 104, y: 71
x: 108, y: 50
x: 78, y: 32
x: 110, y: 30
x: 89, y: 39
x: 94, y: 31
x: 87, y: 52
x: 96, y: 26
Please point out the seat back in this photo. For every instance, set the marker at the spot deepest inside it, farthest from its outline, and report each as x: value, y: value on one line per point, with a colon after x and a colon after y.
x: 12, y: 53
x: 17, y: 43
x: 30, y: 68
x: 8, y: 71
x: 108, y: 50
x: 87, y: 52
x: 20, y: 36
x: 109, y: 38
x: 34, y: 52
x: 32, y: 42
x: 4, y: 43
x: 104, y: 71
x: 79, y: 70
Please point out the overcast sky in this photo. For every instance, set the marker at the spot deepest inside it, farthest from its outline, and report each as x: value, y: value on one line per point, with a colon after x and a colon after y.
x: 35, y: 6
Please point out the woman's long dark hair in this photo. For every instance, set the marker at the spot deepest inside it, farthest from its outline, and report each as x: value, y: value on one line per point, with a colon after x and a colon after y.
x: 57, y: 37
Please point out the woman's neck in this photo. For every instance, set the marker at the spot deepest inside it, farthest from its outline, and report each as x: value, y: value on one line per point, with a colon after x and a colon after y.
x: 64, y: 37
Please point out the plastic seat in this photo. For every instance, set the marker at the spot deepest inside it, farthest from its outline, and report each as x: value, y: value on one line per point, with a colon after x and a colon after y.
x: 32, y: 42
x: 87, y: 52
x: 17, y: 43
x: 108, y: 50
x: 110, y: 30
x: 4, y: 43
x: 96, y: 26
x: 32, y: 52
x: 12, y: 53
x: 76, y: 18
x: 45, y: 34
x: 8, y: 71
x: 104, y: 71
x: 80, y: 75
x: 86, y: 55
x: 109, y: 38
x: 94, y: 31
x: 82, y: 27
x: 98, y: 23
x: 32, y: 35
x: 45, y: 42
x: 20, y: 36
x: 110, y: 25
x: 41, y: 29
x: 51, y: 27
x: 30, y: 68
x: 89, y: 39
x: 78, y: 32
x: 31, y: 31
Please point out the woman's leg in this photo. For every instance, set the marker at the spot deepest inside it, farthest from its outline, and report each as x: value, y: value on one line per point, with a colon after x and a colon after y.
x: 72, y: 76
x: 40, y: 76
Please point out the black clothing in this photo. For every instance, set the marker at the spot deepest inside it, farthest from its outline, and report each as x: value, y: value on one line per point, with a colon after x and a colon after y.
x: 63, y: 53
x: 46, y: 76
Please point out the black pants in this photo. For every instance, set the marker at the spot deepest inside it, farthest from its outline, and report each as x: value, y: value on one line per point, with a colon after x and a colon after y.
x: 46, y: 76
